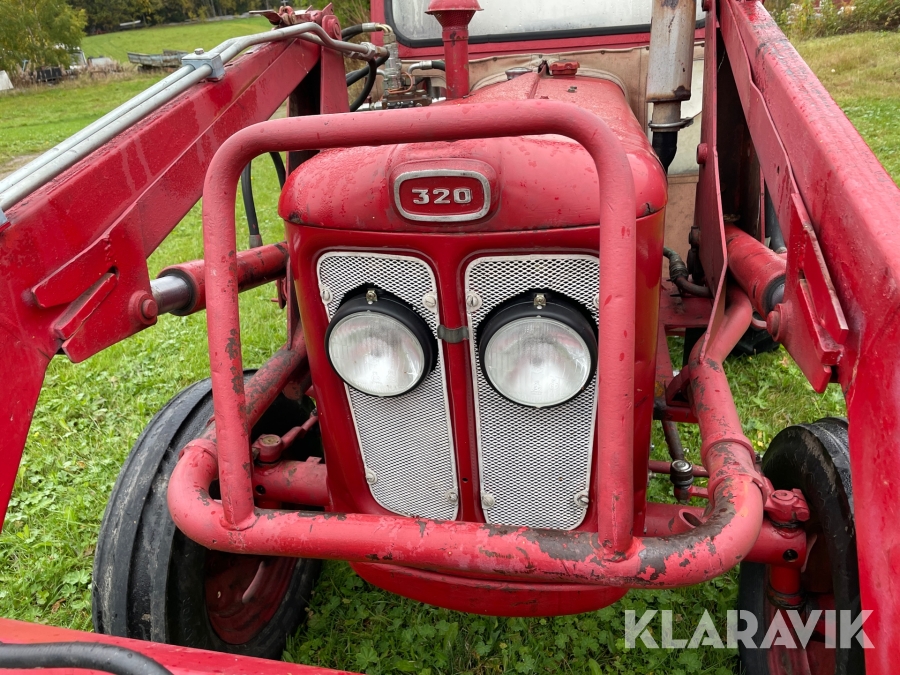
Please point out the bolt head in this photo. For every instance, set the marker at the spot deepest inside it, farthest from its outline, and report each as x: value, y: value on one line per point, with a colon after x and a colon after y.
x: 269, y: 440
x: 371, y: 296
x: 371, y: 478
x: 702, y: 153
x: 452, y: 496
x: 149, y: 308
x: 198, y: 51
x: 540, y: 301
x: 488, y: 500
x: 773, y: 323
x: 325, y: 294
x: 429, y: 300
x: 582, y: 499
x: 682, y: 466
x: 473, y: 301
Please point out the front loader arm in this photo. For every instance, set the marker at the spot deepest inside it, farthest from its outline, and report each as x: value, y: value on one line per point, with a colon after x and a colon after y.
x: 73, y: 253
x: 840, y: 318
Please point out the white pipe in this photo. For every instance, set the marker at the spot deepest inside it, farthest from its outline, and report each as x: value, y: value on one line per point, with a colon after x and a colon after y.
x: 49, y: 165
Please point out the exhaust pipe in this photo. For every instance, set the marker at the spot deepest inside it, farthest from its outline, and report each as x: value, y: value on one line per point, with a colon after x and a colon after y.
x: 669, y: 72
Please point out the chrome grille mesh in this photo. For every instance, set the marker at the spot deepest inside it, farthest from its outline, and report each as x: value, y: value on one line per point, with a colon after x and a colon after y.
x: 534, y: 463
x: 405, y: 441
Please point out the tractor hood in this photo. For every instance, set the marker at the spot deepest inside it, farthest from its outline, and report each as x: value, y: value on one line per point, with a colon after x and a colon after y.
x: 527, y: 183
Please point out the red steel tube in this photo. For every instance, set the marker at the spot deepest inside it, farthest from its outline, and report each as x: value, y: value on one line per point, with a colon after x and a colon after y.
x: 487, y: 120
x: 293, y: 482
x: 759, y: 271
x: 454, y: 17
x: 665, y: 520
x: 732, y: 525
x: 255, y: 267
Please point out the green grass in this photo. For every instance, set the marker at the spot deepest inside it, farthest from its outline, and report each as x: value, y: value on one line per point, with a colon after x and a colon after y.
x: 89, y: 415
x: 183, y: 37
x: 862, y: 73
x: 35, y: 119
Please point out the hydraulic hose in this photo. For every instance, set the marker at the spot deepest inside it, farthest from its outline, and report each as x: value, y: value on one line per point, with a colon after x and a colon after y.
x: 678, y: 275
x: 372, y: 74
x: 81, y: 655
x: 247, y: 196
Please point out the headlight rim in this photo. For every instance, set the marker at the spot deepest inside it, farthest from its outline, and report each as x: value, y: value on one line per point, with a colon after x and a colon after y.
x: 558, y: 307
x: 386, y: 304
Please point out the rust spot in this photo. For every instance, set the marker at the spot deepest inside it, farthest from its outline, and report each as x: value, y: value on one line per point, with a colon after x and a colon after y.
x: 494, y: 554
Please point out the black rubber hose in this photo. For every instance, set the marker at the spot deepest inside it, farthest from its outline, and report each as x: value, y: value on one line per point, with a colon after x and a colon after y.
x: 81, y: 655
x: 367, y: 89
x: 247, y: 196
x: 352, y: 31
x: 279, y: 167
x: 678, y: 275
x: 773, y: 227
x: 355, y: 76
x: 665, y: 145
x: 249, y: 205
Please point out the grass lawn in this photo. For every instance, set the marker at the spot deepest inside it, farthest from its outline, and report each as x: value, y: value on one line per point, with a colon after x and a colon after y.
x: 35, y: 119
x: 182, y: 37
x: 89, y: 415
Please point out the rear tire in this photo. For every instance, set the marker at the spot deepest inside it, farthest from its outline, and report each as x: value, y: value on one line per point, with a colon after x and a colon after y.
x: 814, y: 458
x: 153, y: 583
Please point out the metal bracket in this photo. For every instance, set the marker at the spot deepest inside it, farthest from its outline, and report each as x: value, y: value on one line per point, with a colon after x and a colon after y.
x: 810, y: 322
x: 453, y: 335
x: 200, y: 58
x: 672, y: 126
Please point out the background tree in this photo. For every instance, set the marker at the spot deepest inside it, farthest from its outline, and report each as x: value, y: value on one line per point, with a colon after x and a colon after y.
x: 38, y: 33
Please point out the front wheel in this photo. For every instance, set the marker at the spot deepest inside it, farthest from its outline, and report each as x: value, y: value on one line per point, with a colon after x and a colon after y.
x: 815, y: 459
x: 153, y: 583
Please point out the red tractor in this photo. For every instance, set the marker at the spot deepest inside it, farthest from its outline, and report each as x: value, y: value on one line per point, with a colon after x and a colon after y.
x: 477, y: 327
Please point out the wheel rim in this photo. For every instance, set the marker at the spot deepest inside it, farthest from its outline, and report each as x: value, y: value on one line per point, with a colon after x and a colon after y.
x: 243, y: 592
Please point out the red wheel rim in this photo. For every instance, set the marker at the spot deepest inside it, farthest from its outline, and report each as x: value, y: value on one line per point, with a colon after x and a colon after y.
x: 243, y: 592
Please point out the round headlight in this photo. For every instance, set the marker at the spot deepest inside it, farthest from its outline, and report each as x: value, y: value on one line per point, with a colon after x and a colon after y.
x: 538, y: 351
x: 379, y: 345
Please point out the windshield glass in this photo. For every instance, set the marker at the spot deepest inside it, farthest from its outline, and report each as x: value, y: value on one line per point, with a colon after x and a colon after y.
x: 506, y: 18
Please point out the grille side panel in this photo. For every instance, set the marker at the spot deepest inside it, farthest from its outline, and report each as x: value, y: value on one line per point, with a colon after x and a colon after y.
x: 534, y: 462
x: 406, y: 441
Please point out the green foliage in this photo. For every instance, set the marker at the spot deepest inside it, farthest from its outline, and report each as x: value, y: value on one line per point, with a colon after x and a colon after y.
x: 106, y: 15
x: 39, y: 32
x: 820, y: 18
x: 184, y: 37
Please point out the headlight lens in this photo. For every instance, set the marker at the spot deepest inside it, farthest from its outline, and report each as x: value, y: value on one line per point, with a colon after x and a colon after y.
x: 538, y: 357
x: 382, y: 348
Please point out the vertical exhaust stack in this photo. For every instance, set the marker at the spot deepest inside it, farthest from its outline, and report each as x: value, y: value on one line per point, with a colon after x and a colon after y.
x: 669, y: 74
x: 454, y: 17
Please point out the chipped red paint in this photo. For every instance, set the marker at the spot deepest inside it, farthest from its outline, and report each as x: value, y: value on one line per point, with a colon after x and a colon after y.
x: 255, y: 267
x: 723, y: 539
x: 616, y: 246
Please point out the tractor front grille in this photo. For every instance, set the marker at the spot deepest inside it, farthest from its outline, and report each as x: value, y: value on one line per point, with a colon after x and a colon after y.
x: 406, y: 441
x: 534, y: 462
